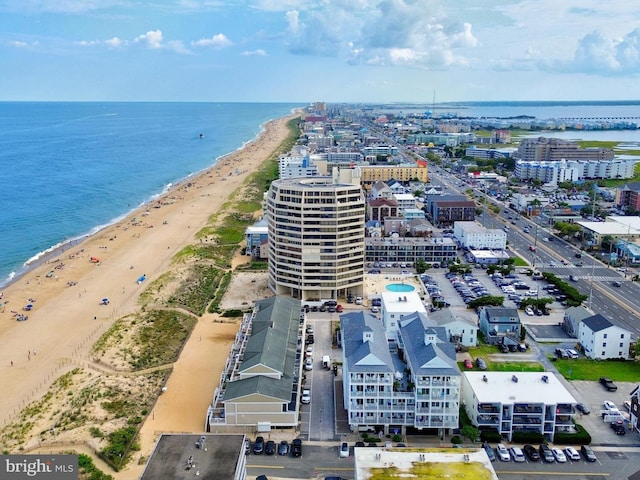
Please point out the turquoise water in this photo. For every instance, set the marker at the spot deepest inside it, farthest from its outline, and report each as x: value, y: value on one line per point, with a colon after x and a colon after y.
x: 400, y: 288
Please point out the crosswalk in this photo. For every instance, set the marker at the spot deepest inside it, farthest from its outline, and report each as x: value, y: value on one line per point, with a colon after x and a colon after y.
x: 595, y: 278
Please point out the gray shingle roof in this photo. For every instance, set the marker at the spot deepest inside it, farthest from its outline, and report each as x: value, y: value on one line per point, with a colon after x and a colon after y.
x: 597, y: 322
x: 435, y: 358
x: 360, y: 356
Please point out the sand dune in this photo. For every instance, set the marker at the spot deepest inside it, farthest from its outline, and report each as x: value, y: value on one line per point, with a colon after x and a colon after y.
x: 66, y: 292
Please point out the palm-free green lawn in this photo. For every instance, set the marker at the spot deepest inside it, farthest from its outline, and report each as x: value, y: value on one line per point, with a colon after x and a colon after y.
x: 584, y: 369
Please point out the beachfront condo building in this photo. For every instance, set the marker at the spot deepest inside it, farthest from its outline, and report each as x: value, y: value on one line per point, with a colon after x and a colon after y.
x: 410, y: 382
x: 316, y: 238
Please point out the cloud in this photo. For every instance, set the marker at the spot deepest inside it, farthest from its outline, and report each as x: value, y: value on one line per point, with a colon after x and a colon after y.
x: 597, y: 53
x: 254, y: 53
x: 151, y: 39
x: 114, y: 42
x: 385, y: 33
x: 218, y: 40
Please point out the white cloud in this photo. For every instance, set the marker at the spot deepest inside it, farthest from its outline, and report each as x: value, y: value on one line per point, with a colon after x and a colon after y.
x: 388, y: 32
x: 115, y: 42
x: 254, y: 53
x: 219, y: 40
x: 152, y: 39
x: 18, y: 44
x: 607, y: 56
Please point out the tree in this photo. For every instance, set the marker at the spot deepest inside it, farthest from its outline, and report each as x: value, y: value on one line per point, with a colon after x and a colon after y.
x: 470, y: 432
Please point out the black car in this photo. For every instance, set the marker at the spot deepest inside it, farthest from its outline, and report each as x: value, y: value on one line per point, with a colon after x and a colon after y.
x: 270, y: 447
x: 310, y: 340
x: 283, y: 448
x: 531, y: 452
x: 258, y: 446
x: 296, y: 448
x: 587, y: 453
x: 618, y: 428
x: 582, y: 408
x: 359, y: 444
x: 546, y: 454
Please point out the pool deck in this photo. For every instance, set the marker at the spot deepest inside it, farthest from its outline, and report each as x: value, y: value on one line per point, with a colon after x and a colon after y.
x: 375, y: 284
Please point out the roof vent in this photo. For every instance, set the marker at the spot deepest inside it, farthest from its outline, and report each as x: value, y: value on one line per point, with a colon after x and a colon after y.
x: 514, y: 379
x: 484, y: 379
x: 545, y: 379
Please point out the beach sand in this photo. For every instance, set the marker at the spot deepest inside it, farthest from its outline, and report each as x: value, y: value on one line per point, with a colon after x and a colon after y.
x: 66, y: 292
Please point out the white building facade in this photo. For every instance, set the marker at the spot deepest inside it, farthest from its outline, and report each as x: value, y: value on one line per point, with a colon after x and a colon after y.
x: 473, y: 236
x: 600, y: 339
x: 513, y: 401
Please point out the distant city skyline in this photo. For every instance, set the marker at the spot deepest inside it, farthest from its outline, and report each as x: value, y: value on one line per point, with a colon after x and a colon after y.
x: 370, y: 51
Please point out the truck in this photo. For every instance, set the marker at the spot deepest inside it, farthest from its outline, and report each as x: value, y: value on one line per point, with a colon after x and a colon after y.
x: 326, y: 362
x: 608, y: 384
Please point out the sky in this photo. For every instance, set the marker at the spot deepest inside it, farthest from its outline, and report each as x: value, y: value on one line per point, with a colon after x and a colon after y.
x: 373, y: 51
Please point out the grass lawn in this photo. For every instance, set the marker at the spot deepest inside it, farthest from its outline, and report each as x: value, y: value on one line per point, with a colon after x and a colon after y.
x: 583, y: 369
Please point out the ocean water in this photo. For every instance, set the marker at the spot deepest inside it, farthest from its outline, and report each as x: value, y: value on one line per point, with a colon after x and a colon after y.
x: 69, y: 169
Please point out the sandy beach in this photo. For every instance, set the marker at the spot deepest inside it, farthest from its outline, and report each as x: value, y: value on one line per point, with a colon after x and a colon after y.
x: 66, y: 291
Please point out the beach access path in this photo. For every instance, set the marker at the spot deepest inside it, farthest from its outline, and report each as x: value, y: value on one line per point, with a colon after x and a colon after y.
x: 66, y: 293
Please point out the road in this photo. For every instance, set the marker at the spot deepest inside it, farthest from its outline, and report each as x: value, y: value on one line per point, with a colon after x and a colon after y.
x: 620, y: 305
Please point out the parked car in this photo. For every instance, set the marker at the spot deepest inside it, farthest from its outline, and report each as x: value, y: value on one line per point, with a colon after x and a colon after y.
x: 531, y: 452
x: 572, y: 353
x: 618, y: 427
x: 587, y: 453
x: 258, y: 446
x: 481, y: 364
x: 559, y: 455
x: 283, y: 448
x: 562, y: 353
x: 344, y: 450
x: 582, y: 408
x: 546, y: 454
x: 517, y: 454
x: 608, y: 384
x: 503, y: 453
x: 572, y: 454
x: 490, y: 454
x: 306, y: 396
x: 468, y: 363
x: 247, y: 446
x: 296, y: 448
x: 308, y: 364
x: 270, y: 447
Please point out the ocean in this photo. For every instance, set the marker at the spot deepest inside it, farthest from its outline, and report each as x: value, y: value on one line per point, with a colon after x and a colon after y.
x: 69, y: 169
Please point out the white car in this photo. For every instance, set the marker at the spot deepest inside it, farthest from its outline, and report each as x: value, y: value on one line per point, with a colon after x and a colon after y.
x: 503, y: 453
x: 559, y: 455
x: 344, y: 450
x: 517, y: 454
x: 608, y: 405
x: 306, y: 396
x: 308, y: 364
x: 572, y: 454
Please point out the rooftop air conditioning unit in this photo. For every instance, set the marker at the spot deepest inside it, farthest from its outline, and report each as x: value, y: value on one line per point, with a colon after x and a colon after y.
x: 514, y: 379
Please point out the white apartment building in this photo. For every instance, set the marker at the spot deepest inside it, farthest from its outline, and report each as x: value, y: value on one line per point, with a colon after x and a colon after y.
x: 395, y: 306
x: 513, y: 401
x: 289, y: 167
x: 600, y: 339
x: 554, y: 172
x: 391, y: 387
x: 316, y: 238
x: 406, y: 201
x: 473, y: 236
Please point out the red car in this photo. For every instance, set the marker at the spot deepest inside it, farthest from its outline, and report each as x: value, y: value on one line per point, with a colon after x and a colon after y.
x: 468, y: 363
x: 339, y: 309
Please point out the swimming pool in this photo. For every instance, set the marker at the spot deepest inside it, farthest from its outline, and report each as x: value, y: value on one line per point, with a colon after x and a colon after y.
x: 400, y: 288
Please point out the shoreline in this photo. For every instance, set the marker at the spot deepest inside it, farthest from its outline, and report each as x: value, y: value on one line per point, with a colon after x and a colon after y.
x: 67, y: 317
x: 54, y: 251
